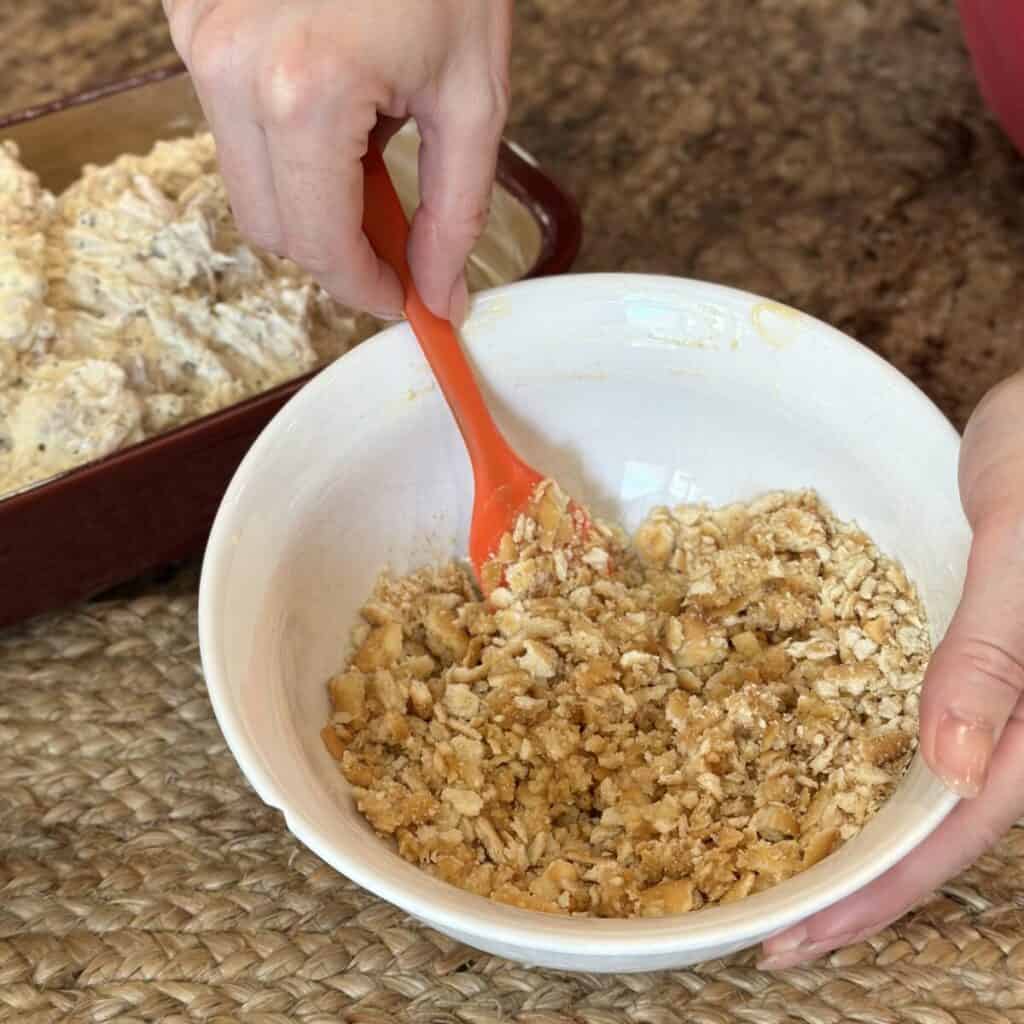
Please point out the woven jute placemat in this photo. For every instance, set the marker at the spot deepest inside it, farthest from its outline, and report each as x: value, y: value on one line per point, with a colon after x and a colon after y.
x: 141, y: 879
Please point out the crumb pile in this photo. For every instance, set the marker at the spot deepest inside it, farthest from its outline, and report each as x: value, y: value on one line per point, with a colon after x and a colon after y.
x: 635, y: 728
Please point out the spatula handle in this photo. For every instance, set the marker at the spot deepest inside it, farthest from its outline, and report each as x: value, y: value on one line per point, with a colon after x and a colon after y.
x: 387, y: 229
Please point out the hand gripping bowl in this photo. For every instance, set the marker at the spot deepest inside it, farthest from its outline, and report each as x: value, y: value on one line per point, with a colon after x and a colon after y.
x: 633, y: 391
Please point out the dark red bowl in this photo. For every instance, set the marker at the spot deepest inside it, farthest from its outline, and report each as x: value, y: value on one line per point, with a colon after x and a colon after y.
x: 153, y: 503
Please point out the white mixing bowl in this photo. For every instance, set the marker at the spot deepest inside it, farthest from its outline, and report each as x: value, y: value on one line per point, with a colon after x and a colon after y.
x: 632, y: 391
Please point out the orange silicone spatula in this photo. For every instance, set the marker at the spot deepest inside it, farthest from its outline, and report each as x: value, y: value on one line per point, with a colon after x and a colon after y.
x: 503, y: 483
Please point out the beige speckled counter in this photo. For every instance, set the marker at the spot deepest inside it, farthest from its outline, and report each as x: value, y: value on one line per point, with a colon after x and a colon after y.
x: 831, y: 153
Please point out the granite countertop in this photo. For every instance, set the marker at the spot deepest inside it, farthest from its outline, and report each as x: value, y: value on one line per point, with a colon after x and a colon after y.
x: 833, y: 154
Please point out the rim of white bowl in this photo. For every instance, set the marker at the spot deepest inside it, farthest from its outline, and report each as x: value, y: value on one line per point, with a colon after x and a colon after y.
x: 447, y: 907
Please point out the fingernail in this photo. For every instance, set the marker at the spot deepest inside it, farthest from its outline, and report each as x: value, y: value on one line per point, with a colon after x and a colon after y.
x: 963, y: 749
x: 458, y: 304
x: 787, y: 954
x: 389, y: 317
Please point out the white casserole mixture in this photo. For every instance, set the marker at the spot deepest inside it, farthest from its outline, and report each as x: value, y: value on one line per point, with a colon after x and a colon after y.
x: 130, y: 305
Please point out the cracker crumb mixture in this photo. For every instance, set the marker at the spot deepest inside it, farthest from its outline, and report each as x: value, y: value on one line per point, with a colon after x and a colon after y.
x: 635, y: 728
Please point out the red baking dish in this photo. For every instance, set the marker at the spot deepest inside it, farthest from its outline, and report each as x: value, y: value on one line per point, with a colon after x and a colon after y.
x: 153, y: 504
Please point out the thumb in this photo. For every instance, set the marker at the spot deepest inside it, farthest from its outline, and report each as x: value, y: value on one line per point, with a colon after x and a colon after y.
x: 976, y: 676
x: 457, y: 167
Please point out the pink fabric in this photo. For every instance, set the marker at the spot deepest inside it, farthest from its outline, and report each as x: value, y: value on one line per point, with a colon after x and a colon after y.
x: 994, y: 30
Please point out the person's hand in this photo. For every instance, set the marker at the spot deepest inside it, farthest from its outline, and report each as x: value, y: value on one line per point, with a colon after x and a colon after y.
x: 972, y: 716
x: 292, y: 89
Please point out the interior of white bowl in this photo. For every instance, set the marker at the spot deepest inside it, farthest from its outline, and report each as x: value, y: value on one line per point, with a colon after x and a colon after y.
x: 632, y: 391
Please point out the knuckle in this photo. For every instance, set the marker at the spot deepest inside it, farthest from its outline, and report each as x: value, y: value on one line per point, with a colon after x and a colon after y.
x: 469, y: 221
x: 297, y: 73
x: 212, y: 44
x: 995, y: 663
x: 457, y: 221
x: 485, y: 109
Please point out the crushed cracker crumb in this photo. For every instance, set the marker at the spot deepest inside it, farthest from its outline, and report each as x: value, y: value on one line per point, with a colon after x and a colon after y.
x: 635, y: 729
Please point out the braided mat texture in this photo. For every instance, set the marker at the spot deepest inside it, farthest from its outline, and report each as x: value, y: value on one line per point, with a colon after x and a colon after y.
x: 142, y: 880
